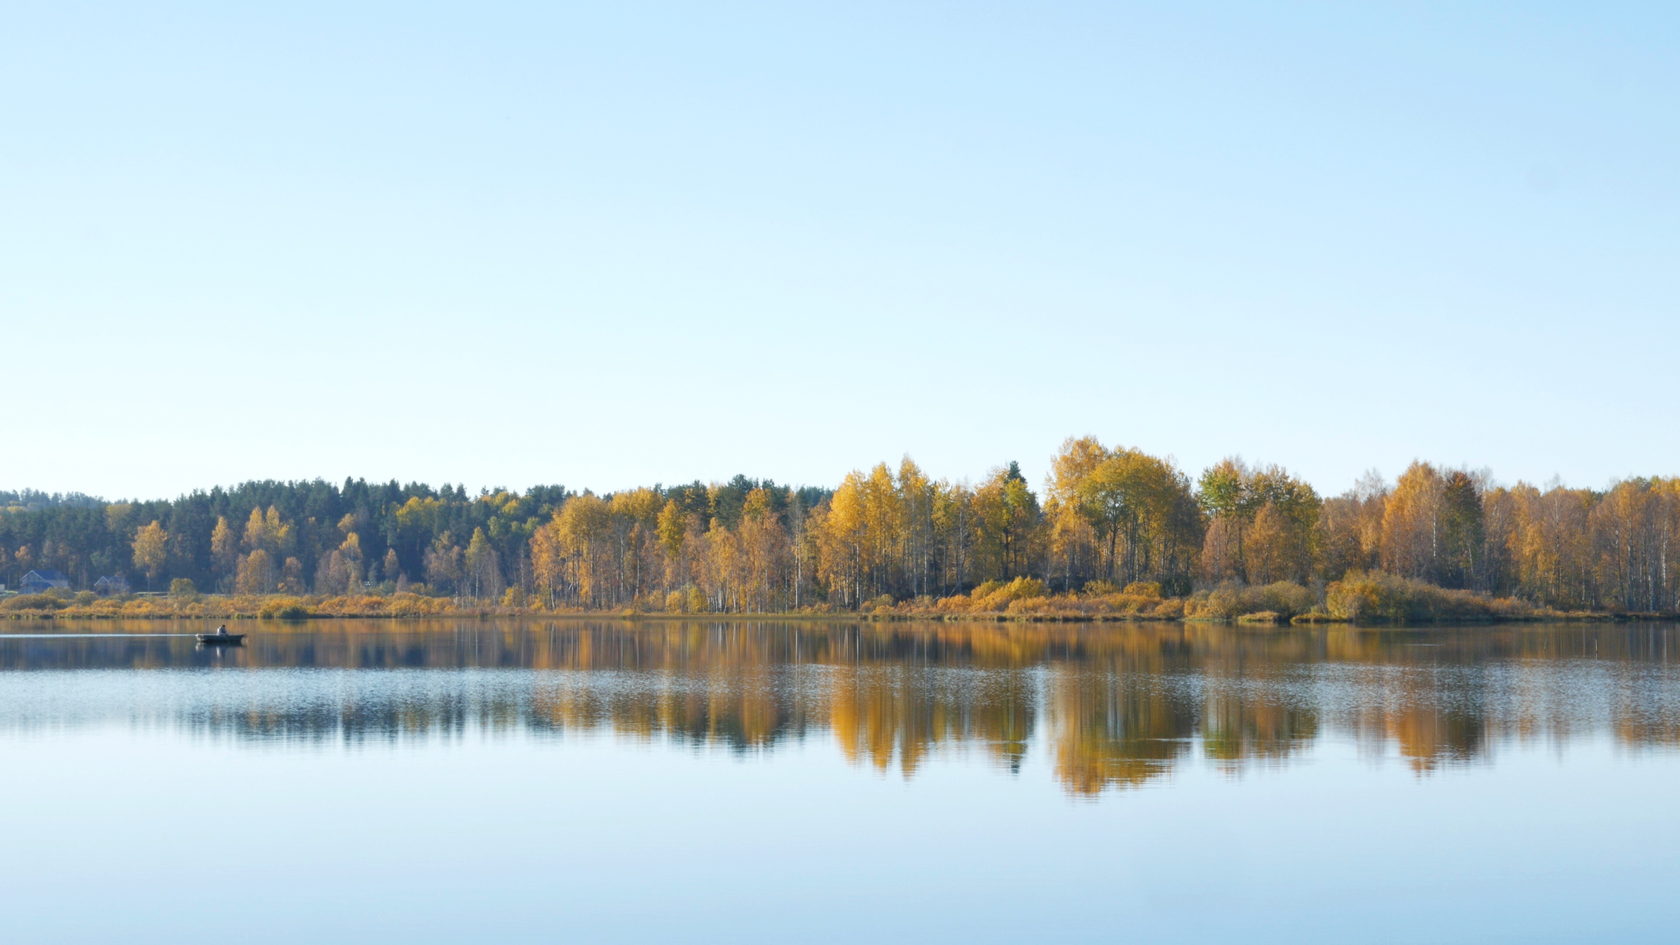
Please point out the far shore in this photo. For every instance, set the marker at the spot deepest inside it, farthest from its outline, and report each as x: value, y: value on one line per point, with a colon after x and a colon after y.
x: 413, y: 607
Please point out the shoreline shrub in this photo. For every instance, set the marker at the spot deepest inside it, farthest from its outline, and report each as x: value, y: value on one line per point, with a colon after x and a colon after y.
x: 1380, y: 597
x: 34, y: 602
x: 1231, y: 600
x: 284, y: 608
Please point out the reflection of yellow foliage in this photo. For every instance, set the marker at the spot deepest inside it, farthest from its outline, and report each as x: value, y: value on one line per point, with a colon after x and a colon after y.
x: 1110, y: 732
x: 891, y: 695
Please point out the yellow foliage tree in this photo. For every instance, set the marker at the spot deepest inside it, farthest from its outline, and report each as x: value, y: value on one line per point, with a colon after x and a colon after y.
x: 151, y: 549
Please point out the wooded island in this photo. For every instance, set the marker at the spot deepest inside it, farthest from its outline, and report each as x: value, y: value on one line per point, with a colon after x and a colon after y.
x: 1116, y: 533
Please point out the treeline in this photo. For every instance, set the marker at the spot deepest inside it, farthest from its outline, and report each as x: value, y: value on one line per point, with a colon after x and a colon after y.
x: 29, y: 499
x: 1105, y: 518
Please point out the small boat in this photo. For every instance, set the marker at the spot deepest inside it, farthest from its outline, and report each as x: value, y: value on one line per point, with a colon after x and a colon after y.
x: 221, y: 639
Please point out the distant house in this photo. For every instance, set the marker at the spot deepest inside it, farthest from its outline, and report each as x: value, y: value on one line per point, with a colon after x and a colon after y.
x: 45, y: 579
x: 111, y: 585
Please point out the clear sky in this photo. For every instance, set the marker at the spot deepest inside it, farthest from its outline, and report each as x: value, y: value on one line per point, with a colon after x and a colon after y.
x: 615, y: 244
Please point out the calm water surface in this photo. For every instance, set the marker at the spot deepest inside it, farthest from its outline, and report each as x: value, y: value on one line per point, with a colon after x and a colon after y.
x: 722, y: 781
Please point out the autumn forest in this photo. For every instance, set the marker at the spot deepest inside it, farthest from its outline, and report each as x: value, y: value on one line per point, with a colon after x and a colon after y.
x: 1111, y: 530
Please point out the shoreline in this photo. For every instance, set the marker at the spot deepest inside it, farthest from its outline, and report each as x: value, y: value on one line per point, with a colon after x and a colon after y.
x: 1303, y: 621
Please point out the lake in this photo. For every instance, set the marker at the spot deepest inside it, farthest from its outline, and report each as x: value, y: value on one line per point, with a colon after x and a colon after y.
x: 741, y: 781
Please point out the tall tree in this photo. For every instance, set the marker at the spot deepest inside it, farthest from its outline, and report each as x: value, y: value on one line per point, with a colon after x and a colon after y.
x: 1463, y: 532
x: 151, y: 550
x: 1411, y: 524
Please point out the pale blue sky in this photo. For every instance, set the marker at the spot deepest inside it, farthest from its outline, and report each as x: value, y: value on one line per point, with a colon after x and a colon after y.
x: 618, y: 244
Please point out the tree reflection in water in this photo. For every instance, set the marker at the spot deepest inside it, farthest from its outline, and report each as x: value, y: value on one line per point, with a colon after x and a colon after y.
x: 1110, y: 706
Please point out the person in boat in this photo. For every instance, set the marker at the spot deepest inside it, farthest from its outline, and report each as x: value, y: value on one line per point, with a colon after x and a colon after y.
x: 221, y: 631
